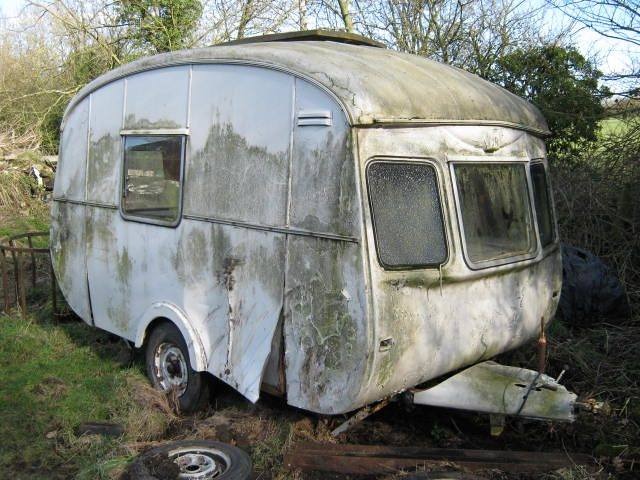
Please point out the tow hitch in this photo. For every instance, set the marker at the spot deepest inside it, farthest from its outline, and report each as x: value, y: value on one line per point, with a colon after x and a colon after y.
x: 498, y: 390
x: 501, y: 390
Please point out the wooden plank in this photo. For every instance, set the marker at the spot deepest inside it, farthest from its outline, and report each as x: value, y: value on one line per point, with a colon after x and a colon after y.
x: 433, y: 453
x: 376, y: 459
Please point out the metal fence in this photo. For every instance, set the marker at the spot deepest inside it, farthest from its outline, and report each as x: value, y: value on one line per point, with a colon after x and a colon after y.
x: 27, y: 273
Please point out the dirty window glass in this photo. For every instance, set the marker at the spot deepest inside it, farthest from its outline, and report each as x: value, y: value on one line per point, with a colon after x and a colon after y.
x: 494, y: 205
x: 542, y: 203
x: 151, y: 187
x: 407, y: 217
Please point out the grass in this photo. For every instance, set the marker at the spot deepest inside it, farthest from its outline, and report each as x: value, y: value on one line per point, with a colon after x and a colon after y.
x: 56, y: 377
x: 612, y: 126
x: 33, y: 221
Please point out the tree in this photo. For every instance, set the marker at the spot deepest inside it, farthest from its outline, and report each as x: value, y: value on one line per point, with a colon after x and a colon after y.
x: 615, y: 19
x: 563, y: 85
x: 470, y: 34
x: 225, y: 20
x: 163, y: 25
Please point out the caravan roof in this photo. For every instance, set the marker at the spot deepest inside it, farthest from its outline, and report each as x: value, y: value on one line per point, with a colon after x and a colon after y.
x: 376, y: 86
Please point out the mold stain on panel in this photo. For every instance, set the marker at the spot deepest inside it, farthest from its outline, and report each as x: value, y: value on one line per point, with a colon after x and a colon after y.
x: 437, y: 335
x: 252, y: 190
x: 68, y: 255
x: 325, y: 187
x: 133, y: 122
x: 103, y: 168
x: 326, y: 336
x: 234, y: 276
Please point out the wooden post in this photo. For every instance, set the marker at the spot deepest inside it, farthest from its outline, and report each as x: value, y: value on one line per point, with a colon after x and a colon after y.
x: 22, y: 298
x: 15, y: 269
x: 33, y: 262
x: 5, y: 280
x: 54, y: 294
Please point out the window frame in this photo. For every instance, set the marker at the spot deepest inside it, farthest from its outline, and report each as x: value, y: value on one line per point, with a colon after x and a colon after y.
x: 183, y: 154
x: 485, y: 264
x: 441, y: 198
x: 552, y: 207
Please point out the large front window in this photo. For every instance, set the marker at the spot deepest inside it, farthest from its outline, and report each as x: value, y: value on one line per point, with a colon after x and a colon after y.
x: 495, y: 212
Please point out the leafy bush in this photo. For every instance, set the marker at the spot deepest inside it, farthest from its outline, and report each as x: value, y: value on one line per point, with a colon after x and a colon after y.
x: 597, y: 205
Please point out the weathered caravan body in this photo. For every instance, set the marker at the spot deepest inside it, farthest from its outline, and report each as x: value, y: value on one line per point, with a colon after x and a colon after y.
x: 327, y: 220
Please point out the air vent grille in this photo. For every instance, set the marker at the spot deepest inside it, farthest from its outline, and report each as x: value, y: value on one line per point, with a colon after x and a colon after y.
x: 314, y: 117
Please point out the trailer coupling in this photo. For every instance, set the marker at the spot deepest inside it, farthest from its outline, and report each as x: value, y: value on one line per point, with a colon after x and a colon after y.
x: 501, y: 390
x: 498, y: 390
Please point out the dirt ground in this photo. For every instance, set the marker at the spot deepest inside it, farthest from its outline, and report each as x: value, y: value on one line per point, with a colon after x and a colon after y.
x: 270, y: 428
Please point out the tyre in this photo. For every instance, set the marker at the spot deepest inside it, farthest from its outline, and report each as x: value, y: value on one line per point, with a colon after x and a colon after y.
x: 169, y: 368
x: 191, y: 460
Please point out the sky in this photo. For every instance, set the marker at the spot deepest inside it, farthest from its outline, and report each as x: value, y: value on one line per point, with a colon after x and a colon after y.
x: 611, y: 55
x: 10, y: 8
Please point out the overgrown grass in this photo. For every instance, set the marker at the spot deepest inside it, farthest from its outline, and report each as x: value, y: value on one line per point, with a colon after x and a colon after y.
x: 612, y: 126
x: 19, y: 211
x: 602, y: 362
x: 30, y: 222
x: 56, y: 377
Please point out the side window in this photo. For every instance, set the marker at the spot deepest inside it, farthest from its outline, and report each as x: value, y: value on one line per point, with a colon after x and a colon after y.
x: 152, y: 184
x: 407, y: 215
x: 495, y: 212
x: 542, y: 200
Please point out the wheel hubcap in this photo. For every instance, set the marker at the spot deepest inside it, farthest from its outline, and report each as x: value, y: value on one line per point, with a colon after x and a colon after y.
x: 171, y: 368
x: 199, y: 464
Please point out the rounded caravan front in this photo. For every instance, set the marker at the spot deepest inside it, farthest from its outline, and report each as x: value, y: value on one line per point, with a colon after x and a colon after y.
x: 322, y: 219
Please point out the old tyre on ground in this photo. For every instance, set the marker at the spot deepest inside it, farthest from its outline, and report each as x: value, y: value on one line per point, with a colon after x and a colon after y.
x: 191, y: 460
x: 591, y: 290
x: 169, y: 368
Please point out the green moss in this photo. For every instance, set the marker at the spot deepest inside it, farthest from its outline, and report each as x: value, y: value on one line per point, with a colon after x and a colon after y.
x: 100, y: 228
x: 386, y: 364
x: 124, y: 266
x: 134, y: 123
x: 104, y: 159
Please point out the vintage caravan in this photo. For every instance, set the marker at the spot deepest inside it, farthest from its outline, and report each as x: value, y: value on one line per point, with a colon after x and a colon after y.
x: 313, y: 216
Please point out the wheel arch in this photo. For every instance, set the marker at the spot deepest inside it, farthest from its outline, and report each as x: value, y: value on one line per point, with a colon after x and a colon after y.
x: 165, y: 312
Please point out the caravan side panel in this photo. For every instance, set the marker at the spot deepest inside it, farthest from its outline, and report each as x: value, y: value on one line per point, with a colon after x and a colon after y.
x: 236, y: 194
x: 221, y: 268
x: 68, y: 213
x: 327, y: 337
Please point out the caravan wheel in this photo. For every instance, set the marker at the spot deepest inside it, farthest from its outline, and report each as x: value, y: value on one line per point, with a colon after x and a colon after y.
x: 169, y: 368
x: 191, y: 460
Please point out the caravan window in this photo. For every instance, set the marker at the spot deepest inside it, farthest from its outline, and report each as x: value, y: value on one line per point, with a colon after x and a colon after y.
x: 152, y: 185
x: 407, y: 216
x: 495, y: 212
x: 542, y: 200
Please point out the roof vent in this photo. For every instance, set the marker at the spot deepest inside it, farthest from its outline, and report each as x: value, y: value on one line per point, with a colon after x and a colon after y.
x: 310, y: 36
